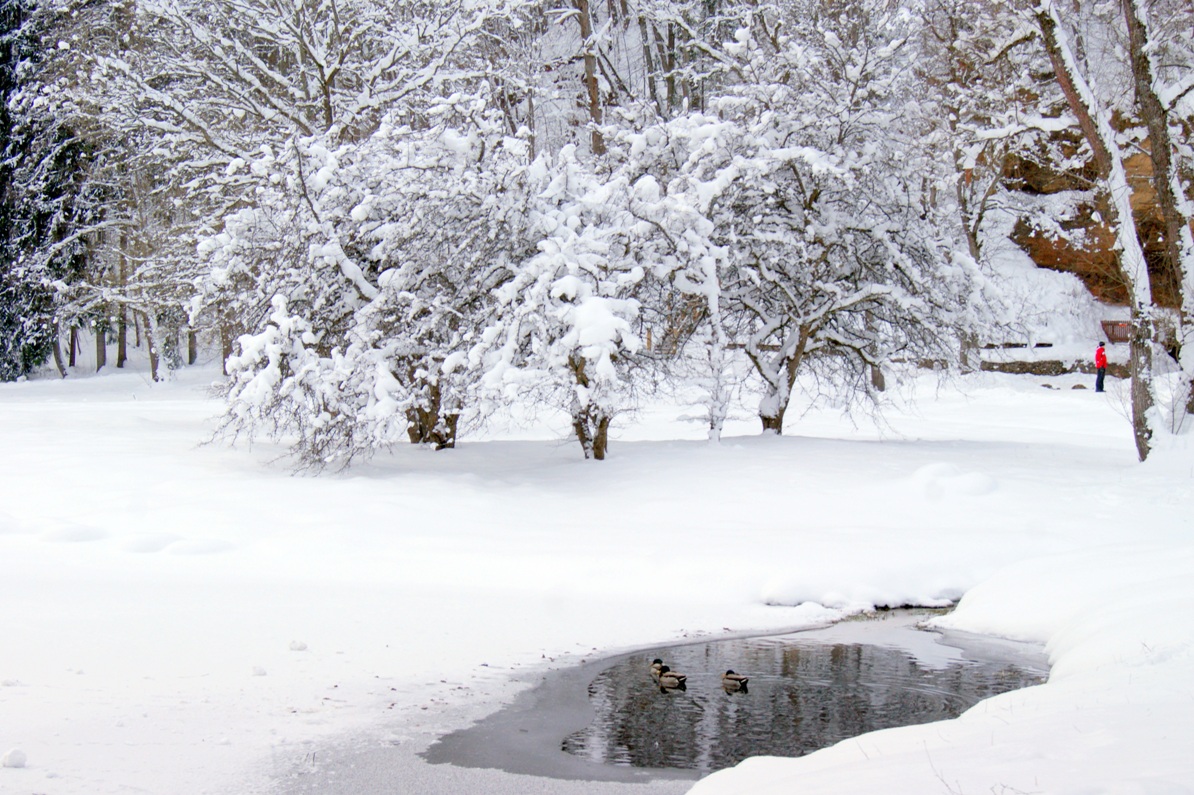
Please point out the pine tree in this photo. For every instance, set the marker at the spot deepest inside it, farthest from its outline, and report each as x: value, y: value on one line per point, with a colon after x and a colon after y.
x: 25, y: 305
x: 44, y: 201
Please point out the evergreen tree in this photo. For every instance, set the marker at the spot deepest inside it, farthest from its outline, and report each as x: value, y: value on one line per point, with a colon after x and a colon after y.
x: 25, y: 339
x: 43, y: 200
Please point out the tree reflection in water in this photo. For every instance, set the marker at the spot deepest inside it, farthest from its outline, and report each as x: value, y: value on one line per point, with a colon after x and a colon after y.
x: 802, y: 696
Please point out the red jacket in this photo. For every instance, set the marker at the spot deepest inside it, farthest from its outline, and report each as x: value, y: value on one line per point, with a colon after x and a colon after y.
x: 1100, y: 357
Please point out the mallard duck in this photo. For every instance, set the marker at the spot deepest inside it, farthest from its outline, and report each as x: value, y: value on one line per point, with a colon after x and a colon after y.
x: 732, y: 681
x: 656, y: 664
x: 670, y: 680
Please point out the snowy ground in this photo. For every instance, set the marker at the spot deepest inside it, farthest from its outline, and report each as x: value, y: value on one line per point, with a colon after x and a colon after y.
x: 181, y: 618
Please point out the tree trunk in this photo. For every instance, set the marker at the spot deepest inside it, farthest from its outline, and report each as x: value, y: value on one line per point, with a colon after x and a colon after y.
x: 122, y: 322
x: 427, y: 424
x: 673, y: 96
x: 192, y: 346
x: 1096, y: 126
x: 592, y: 431
x: 601, y: 439
x: 74, y: 345
x: 649, y: 64
x: 1141, y: 368
x: 780, y: 379
x: 101, y: 347
x: 592, y: 86
x: 122, y: 337
x: 225, y: 346
x: 1155, y: 118
x: 57, y: 350
x: 719, y: 391
x: 1178, y: 240
x: 878, y: 381
x: 774, y: 424
x: 151, y: 342
x: 590, y: 422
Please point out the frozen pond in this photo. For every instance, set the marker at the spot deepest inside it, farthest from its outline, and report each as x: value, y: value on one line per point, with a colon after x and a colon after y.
x: 807, y: 690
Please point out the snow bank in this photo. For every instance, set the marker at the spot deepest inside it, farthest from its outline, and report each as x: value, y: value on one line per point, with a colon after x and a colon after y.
x: 184, y: 618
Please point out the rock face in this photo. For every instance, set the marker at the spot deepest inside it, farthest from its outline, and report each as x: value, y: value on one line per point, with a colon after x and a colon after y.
x: 1089, y: 252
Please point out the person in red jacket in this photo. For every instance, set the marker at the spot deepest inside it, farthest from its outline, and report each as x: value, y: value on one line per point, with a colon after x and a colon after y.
x: 1100, y: 367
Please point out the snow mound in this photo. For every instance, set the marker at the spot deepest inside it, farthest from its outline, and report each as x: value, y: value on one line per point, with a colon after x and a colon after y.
x: 944, y: 479
x: 14, y: 758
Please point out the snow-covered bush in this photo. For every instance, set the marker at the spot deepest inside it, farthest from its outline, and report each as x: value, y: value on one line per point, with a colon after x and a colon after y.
x: 388, y: 250
x: 563, y: 325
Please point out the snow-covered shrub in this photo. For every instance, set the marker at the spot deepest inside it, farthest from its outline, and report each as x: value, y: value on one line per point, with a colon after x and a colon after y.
x: 388, y: 249
x: 563, y: 326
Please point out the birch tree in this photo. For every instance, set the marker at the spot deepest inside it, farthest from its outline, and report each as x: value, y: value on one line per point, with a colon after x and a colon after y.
x: 1094, y: 119
x: 1156, y: 103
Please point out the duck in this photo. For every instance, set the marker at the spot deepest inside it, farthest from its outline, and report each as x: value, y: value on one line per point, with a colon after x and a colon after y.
x: 671, y: 680
x: 732, y: 681
x: 656, y: 664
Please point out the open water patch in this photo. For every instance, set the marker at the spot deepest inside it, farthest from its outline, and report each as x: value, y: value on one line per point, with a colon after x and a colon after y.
x: 612, y: 720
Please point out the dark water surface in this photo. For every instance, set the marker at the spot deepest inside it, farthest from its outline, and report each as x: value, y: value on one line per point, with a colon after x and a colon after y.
x: 610, y: 720
x: 806, y: 691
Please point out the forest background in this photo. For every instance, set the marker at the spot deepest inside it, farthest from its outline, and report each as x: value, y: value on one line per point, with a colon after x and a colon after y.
x: 396, y: 220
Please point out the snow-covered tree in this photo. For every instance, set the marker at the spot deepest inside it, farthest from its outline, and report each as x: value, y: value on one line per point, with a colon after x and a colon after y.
x: 563, y: 330
x: 1092, y: 104
x: 1161, y: 70
x: 384, y: 254
x: 809, y: 172
x: 48, y: 202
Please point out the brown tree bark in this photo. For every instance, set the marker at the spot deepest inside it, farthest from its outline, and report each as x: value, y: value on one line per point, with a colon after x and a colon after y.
x: 774, y: 424
x: 57, y: 351
x: 122, y: 337
x: 226, y: 339
x: 429, y: 425
x: 590, y: 423
x: 782, y: 393
x: 592, y: 86
x: 151, y: 343
x: 101, y: 347
x: 1130, y: 255
x: 1065, y: 81
x: 1156, y: 120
